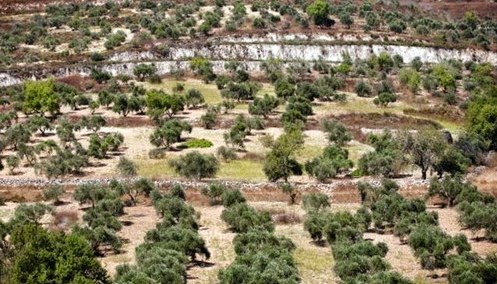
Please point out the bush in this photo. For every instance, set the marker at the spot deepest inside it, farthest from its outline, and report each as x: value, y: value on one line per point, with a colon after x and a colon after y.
x: 197, y: 143
x: 314, y: 202
x: 126, y: 167
x: 241, y: 218
x: 214, y: 191
x: 226, y: 153
x: 232, y: 197
x: 363, y: 89
x: 195, y: 165
x: 53, y: 193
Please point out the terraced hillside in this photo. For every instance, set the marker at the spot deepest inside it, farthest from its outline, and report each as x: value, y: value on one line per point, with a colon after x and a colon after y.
x: 248, y: 142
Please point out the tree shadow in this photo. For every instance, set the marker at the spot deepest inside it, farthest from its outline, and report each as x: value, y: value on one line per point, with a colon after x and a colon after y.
x: 127, y: 223
x: 201, y: 263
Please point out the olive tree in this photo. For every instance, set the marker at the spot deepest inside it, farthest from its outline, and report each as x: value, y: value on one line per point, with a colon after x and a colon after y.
x: 195, y: 165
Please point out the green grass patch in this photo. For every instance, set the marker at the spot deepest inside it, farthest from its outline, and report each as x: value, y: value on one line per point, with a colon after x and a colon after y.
x: 356, y: 151
x: 155, y: 168
x: 245, y: 170
x: 308, y: 152
x: 211, y: 93
x: 312, y: 260
x: 196, y: 143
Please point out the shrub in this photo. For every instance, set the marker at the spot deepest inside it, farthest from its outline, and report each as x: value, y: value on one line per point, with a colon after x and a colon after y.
x: 53, y: 193
x: 314, y: 202
x: 363, y: 89
x: 232, y: 197
x: 197, y: 143
x: 226, y: 153
x: 126, y: 167
x: 242, y: 218
x: 214, y: 191
x: 195, y: 165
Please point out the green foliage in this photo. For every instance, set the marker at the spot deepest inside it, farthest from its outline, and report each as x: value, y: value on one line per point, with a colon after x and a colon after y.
x: 425, y: 148
x: 208, y: 119
x: 12, y: 163
x: 333, y: 161
x: 384, y: 99
x: 169, y: 133
x: 28, y: 214
x: 241, y: 218
x: 319, y: 11
x: 40, y: 123
x: 433, y: 246
x: 115, y: 40
x: 280, y: 162
x: 263, y: 106
x: 314, y: 202
x: 45, y: 257
x: 388, y: 158
x: 126, y: 167
x: 226, y: 153
x: 40, y: 97
x: 363, y: 89
x: 195, y: 165
x: 336, y: 132
x: 214, y: 192
x: 197, y: 143
x: 232, y: 197
x: 193, y: 98
x: 346, y: 19
x: 143, y: 71
x: 202, y: 67
x: 240, y: 91
x: 446, y: 76
x: 478, y: 216
x: 159, y: 104
x: 53, y: 192
x: 481, y: 116
x: 410, y: 78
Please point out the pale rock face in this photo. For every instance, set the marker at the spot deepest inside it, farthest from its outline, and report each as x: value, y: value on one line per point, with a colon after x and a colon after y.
x: 252, y: 50
x: 7, y: 80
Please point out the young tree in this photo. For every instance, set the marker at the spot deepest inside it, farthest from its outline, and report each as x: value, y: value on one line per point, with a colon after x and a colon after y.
x: 169, y: 133
x: 143, y: 71
x: 208, y: 119
x: 481, y: 116
x: 384, y: 99
x: 319, y: 11
x: 54, y: 193
x: 214, y: 191
x: 336, y: 132
x: 346, y: 19
x: 425, y: 148
x: 195, y: 165
x: 40, y: 97
x: 280, y: 162
x: 40, y: 123
x: 314, y: 202
x: 12, y: 162
x: 193, y: 98
x: 263, y: 106
x: 289, y: 189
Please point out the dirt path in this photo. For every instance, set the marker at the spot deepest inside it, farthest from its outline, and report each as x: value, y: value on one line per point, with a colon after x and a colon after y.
x: 219, y: 242
x: 449, y: 222
x: 138, y: 221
